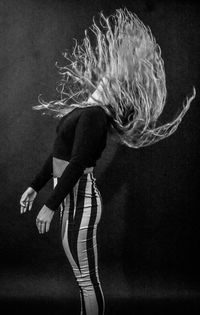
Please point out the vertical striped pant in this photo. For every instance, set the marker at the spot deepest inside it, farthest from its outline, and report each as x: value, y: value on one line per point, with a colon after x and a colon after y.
x: 80, y: 215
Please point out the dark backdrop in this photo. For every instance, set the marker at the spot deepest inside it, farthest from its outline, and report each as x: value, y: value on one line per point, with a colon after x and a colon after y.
x: 149, y: 235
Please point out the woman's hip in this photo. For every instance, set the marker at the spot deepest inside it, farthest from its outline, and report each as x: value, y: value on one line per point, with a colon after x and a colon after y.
x: 83, y: 200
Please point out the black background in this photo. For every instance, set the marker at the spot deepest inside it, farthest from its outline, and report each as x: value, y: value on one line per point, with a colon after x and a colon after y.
x: 148, y: 238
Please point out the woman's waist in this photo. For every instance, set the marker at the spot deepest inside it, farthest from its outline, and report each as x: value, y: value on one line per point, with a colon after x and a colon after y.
x: 59, y: 166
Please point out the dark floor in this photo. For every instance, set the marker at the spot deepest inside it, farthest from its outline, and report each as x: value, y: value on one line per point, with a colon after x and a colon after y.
x: 55, y: 292
x: 113, y: 307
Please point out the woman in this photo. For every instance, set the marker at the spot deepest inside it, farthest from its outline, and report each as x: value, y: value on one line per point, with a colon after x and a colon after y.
x: 118, y: 88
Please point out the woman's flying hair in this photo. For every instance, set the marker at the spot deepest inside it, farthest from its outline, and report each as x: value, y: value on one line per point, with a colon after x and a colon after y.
x: 122, y: 61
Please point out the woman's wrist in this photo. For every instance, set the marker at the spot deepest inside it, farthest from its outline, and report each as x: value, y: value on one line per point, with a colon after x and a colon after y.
x: 52, y: 210
x: 33, y: 190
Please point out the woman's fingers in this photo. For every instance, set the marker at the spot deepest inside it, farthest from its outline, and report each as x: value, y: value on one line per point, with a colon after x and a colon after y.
x: 30, y: 205
x: 43, y: 219
x: 42, y: 226
x: 39, y: 225
x: 27, y: 205
x: 47, y: 226
x: 26, y: 202
x: 22, y: 209
x: 23, y: 201
x: 24, y: 205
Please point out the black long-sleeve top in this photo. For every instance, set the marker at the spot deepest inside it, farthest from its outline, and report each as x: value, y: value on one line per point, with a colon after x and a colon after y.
x: 81, y: 138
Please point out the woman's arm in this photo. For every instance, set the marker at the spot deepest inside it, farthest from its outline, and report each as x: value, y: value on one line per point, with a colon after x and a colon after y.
x: 45, y: 174
x: 39, y: 181
x: 90, y: 129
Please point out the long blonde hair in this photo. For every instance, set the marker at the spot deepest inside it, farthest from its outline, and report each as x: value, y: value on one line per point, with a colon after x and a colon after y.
x: 122, y: 56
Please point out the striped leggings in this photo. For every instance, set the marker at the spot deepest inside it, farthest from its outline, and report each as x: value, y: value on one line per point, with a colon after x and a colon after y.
x: 80, y: 215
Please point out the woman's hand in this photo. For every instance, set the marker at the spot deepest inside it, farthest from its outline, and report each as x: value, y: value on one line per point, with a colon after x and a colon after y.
x: 43, y: 219
x: 27, y: 199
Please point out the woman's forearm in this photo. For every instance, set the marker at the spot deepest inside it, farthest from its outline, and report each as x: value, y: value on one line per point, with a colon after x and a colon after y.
x: 45, y: 174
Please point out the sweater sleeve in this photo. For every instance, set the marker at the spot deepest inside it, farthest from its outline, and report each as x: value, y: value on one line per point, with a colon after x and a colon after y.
x: 45, y: 174
x: 90, y: 129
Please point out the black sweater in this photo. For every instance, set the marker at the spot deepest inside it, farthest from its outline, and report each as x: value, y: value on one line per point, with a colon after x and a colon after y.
x: 81, y: 138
